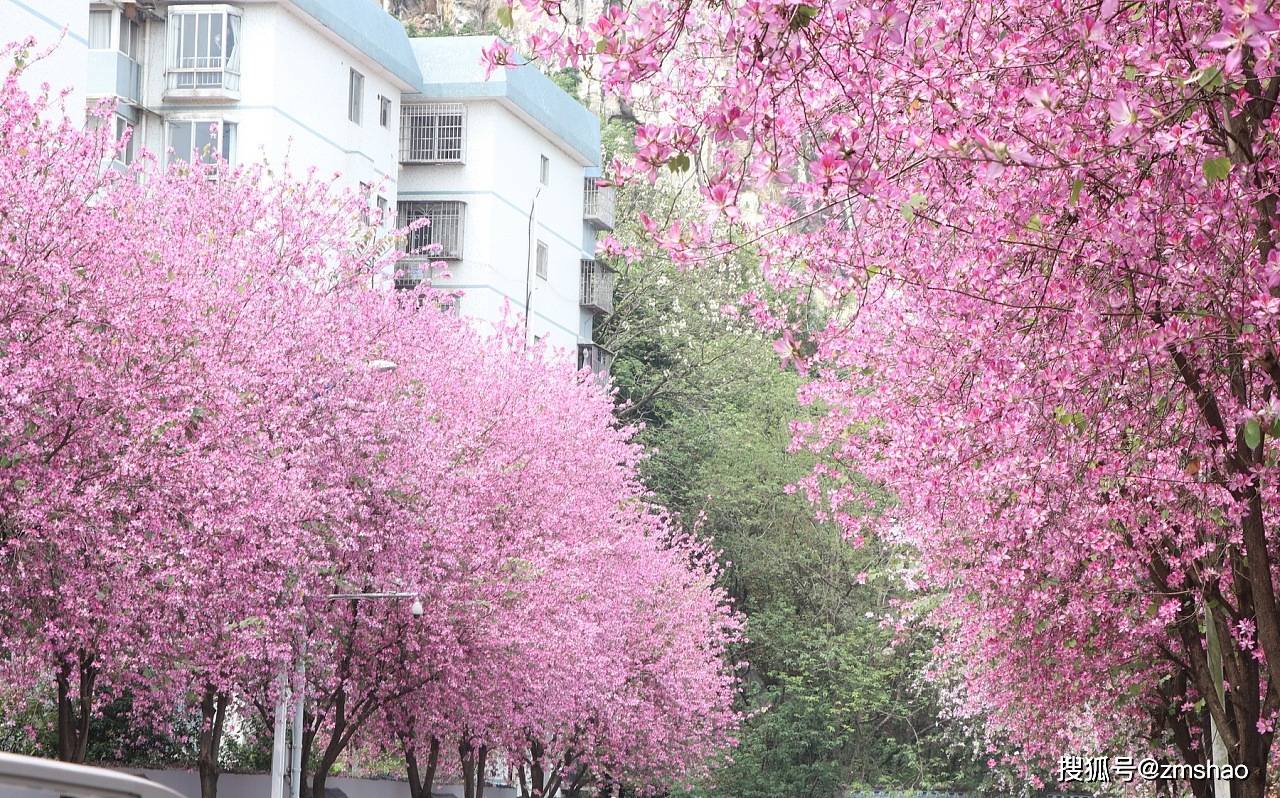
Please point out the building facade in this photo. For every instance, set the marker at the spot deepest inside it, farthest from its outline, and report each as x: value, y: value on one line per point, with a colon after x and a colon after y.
x: 503, y: 168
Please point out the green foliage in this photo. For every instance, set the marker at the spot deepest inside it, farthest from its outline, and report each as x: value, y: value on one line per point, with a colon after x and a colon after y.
x: 117, y: 736
x: 471, y: 28
x: 569, y: 80
x: 27, y: 725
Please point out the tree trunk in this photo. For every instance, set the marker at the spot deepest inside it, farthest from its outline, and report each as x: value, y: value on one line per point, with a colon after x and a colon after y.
x: 213, y: 714
x: 468, y: 769
x: 481, y: 756
x: 536, y: 775
x: 73, y: 716
x: 421, y: 782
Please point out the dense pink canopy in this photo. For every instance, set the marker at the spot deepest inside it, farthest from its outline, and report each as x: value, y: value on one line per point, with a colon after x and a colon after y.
x: 1043, y: 235
x: 210, y: 424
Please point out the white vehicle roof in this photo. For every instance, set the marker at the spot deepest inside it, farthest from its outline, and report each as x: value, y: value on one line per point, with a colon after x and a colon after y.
x: 22, y: 775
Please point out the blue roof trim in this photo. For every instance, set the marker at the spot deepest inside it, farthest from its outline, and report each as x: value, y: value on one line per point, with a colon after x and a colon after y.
x: 451, y: 70
x: 369, y: 29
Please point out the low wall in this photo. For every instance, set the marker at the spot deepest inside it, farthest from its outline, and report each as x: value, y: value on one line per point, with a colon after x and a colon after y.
x: 239, y: 785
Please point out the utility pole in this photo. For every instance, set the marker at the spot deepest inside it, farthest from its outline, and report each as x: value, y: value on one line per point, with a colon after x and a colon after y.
x: 278, y: 738
x: 1221, y: 787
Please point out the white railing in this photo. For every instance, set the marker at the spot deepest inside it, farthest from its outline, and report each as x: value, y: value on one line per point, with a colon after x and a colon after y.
x: 188, y: 78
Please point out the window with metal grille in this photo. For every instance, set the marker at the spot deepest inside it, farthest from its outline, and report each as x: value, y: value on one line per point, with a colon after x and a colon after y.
x: 444, y: 227
x: 433, y: 133
x: 543, y: 256
x: 355, y: 97
x: 204, y: 48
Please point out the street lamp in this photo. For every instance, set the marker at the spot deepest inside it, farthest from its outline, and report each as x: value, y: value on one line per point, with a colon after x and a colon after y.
x: 300, y: 674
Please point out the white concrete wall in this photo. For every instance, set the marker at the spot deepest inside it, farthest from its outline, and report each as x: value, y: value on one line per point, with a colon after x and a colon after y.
x: 498, y: 182
x: 67, y: 65
x: 293, y: 101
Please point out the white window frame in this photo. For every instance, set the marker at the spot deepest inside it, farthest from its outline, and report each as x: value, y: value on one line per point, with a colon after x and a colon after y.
x: 225, y: 147
x: 355, y: 96
x: 433, y: 133
x: 193, y: 72
x: 100, y: 14
x: 544, y: 171
x: 542, y: 260
x: 384, y: 110
x: 136, y: 44
x: 123, y: 126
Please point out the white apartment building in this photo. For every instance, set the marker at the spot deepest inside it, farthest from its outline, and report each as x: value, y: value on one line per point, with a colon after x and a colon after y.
x: 503, y: 168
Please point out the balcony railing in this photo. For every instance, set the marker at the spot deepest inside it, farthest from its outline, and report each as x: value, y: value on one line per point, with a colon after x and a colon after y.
x: 596, y: 358
x: 214, y: 82
x: 597, y: 203
x: 597, y: 287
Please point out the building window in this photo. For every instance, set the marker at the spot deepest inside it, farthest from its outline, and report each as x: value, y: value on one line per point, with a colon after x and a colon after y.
x: 206, y: 140
x: 99, y: 30
x: 131, y: 38
x: 544, y: 171
x: 384, y: 111
x: 355, y: 97
x: 382, y: 210
x: 444, y: 228
x: 543, y: 257
x: 366, y: 215
x: 432, y: 133
x: 204, y: 48
x: 120, y: 128
x: 123, y: 129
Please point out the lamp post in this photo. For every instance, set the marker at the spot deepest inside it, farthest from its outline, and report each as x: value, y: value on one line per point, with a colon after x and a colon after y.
x: 380, y: 366
x: 300, y: 675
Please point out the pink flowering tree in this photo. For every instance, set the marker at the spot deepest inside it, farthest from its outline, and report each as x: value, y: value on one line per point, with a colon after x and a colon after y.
x: 213, y: 434
x: 580, y: 612
x: 1044, y: 234
x: 164, y: 338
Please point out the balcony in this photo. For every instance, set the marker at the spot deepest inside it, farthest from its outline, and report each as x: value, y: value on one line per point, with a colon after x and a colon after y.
x: 598, y: 282
x: 204, y: 53
x: 597, y: 204
x: 596, y: 358
x: 114, y: 74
